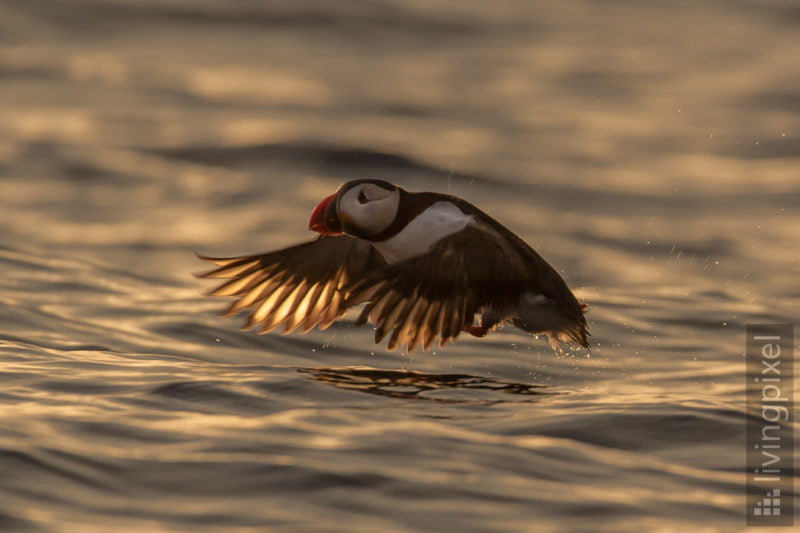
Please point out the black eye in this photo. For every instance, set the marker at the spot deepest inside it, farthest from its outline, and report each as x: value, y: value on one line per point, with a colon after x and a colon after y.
x: 362, y: 198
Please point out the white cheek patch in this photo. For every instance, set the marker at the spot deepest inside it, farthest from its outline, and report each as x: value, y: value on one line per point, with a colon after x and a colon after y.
x: 371, y: 217
x: 418, y: 237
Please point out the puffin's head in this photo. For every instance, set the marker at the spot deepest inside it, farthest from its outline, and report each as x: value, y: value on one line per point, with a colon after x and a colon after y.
x: 361, y: 208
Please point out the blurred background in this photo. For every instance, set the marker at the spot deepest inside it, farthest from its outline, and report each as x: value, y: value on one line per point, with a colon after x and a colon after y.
x: 649, y: 151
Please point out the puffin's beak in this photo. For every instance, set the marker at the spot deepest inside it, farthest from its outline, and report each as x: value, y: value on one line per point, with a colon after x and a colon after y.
x: 324, y: 218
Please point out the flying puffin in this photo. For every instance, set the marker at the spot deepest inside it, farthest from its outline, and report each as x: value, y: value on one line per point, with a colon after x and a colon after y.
x: 426, y: 265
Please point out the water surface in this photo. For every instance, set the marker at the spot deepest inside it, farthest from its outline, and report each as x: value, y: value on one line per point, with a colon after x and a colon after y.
x: 649, y: 152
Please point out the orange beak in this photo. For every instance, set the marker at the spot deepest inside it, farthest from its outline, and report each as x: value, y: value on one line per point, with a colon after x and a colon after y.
x: 324, y: 218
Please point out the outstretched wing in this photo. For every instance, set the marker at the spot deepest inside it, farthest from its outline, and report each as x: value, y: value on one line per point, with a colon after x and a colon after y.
x: 300, y: 286
x: 438, y: 293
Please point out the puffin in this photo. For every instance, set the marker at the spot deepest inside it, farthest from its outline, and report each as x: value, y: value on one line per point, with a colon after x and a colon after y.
x: 424, y: 265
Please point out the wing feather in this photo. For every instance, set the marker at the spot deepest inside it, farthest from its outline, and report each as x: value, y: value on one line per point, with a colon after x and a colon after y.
x: 429, y: 324
x: 399, y: 314
x: 238, y: 285
x: 267, y: 306
x: 300, y: 286
x: 389, y: 317
x: 252, y: 296
x: 381, y: 296
x: 406, y: 330
x: 281, y: 310
x: 415, y: 327
x: 299, y: 311
x: 315, y: 306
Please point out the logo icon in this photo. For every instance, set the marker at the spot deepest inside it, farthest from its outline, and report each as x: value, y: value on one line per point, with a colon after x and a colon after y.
x: 770, y: 505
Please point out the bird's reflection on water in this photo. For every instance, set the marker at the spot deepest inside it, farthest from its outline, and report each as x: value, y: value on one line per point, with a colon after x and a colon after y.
x: 411, y: 384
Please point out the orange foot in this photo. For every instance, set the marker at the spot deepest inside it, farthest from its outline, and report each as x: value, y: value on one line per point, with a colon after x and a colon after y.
x: 478, y: 331
x: 584, y: 307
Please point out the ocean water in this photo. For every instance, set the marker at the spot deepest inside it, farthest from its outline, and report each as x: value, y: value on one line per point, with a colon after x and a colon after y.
x: 649, y: 151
